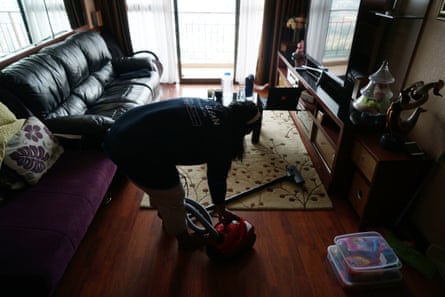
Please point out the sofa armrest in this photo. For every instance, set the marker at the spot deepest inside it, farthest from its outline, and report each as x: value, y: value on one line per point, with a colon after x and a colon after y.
x: 155, y: 59
x: 140, y: 64
x: 117, y: 53
x: 130, y: 64
x: 79, y: 124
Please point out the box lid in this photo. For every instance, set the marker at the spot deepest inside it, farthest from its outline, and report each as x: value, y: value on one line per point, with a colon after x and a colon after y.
x: 346, y: 279
x: 366, y: 251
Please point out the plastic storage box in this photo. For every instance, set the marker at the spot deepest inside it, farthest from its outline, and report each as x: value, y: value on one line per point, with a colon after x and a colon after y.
x: 364, y: 259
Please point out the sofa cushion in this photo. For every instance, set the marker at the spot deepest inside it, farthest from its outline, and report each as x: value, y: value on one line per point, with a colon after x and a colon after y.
x: 89, y: 90
x: 32, y: 151
x: 39, y: 81
x: 94, y: 48
x: 73, y: 104
x: 119, y: 98
x: 152, y: 83
x: 73, y: 60
x: 105, y: 75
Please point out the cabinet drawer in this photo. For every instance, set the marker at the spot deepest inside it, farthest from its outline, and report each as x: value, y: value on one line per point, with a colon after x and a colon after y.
x: 325, y: 147
x: 358, y: 194
x: 364, y: 161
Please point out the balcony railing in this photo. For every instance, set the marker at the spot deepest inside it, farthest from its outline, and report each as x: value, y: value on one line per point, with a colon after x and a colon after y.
x: 13, y: 36
x: 207, y: 43
x: 340, y: 34
x: 207, y: 37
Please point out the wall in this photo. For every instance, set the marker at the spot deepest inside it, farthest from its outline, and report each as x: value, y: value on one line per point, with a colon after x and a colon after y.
x: 429, y: 65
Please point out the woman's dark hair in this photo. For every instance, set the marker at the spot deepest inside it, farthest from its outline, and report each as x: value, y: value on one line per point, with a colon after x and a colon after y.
x: 243, y: 115
x: 241, y: 112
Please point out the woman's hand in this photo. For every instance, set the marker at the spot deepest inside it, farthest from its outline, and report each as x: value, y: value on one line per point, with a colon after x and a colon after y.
x: 224, y: 215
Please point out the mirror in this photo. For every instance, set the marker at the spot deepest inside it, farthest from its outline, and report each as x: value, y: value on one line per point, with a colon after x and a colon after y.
x: 330, y: 31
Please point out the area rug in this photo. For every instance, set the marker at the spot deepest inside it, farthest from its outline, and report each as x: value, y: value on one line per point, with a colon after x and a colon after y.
x: 279, y: 146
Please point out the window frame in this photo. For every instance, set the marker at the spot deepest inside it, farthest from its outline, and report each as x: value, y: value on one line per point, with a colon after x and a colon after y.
x: 20, y: 16
x: 32, y: 50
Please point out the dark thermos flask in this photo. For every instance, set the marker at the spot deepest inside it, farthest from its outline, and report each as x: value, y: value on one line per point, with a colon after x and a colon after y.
x: 249, y: 86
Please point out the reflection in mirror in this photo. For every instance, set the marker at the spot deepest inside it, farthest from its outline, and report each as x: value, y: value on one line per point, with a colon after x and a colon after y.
x: 331, y: 26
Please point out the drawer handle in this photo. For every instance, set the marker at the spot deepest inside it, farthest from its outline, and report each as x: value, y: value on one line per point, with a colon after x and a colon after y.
x: 359, y: 194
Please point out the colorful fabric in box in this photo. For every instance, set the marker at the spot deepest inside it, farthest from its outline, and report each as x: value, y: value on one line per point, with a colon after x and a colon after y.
x: 32, y: 151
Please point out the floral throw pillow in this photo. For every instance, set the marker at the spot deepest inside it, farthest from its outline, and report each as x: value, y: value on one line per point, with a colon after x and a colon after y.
x: 32, y: 151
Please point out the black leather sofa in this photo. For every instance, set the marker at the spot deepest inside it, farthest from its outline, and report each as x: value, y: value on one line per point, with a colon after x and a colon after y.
x: 76, y: 87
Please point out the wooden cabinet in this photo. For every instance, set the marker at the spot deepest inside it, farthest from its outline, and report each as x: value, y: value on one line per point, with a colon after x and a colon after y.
x: 350, y: 162
x: 324, y: 126
x: 378, y: 183
x: 383, y: 182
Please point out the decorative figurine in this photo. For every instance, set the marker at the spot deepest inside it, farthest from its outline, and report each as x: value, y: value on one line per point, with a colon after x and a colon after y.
x: 298, y: 55
x: 412, y: 97
x: 370, y: 108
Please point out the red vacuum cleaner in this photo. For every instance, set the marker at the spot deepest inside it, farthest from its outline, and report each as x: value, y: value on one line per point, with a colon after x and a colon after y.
x: 225, y: 241
x: 229, y: 241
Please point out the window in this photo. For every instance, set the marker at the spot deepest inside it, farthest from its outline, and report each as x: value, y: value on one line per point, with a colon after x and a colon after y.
x: 340, y: 31
x: 331, y: 29
x: 26, y: 23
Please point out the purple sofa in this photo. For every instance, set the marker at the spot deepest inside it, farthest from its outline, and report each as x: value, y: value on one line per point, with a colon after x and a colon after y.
x: 76, y: 87
x: 42, y: 226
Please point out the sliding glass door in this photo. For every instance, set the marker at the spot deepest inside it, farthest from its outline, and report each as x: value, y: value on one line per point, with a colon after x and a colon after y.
x: 206, y: 38
x: 198, y: 40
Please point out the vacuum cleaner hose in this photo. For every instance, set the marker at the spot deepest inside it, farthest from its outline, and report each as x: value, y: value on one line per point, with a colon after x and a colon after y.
x: 196, y: 211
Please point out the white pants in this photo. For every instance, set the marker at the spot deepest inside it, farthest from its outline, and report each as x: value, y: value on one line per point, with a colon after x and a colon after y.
x: 170, y: 204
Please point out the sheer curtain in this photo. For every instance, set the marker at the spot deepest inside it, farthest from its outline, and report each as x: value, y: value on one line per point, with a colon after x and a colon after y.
x: 317, y: 32
x: 250, y: 24
x: 151, y: 24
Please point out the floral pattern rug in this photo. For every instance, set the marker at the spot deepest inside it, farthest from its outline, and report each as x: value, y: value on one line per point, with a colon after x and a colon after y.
x: 279, y: 146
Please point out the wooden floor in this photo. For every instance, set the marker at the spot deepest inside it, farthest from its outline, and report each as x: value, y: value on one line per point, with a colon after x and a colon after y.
x: 126, y: 253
